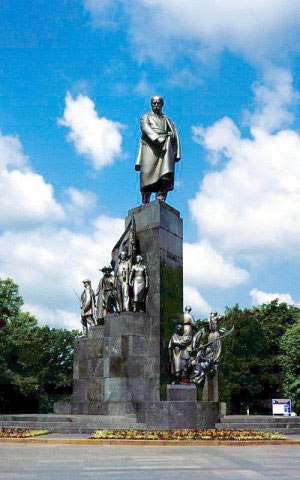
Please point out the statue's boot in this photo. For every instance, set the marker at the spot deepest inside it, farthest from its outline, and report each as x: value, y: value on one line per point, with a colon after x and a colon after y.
x: 146, y: 197
x: 162, y: 195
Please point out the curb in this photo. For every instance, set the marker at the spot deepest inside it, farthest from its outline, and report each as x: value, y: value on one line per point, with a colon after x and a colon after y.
x: 165, y: 443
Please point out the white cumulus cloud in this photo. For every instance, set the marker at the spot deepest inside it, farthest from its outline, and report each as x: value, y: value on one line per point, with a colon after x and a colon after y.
x: 43, y: 255
x: 54, y: 318
x: 82, y: 199
x: 26, y: 199
x: 257, y: 29
x: 204, y: 266
x: 259, y: 297
x: 192, y: 297
x: 97, y: 138
x: 47, y: 263
x: 11, y: 152
x: 251, y: 204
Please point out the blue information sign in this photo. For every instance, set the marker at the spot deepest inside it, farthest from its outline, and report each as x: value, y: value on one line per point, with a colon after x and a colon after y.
x: 281, y: 406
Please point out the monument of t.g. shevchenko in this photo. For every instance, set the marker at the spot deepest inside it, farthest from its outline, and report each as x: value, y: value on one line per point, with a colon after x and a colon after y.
x: 122, y: 364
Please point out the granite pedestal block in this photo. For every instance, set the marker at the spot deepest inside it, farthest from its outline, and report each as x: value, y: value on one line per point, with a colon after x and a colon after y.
x: 182, y: 393
x: 116, y: 366
x: 181, y: 410
x: 159, y: 234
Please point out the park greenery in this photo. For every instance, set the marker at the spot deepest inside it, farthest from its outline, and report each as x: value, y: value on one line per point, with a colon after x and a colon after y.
x: 35, y: 361
x: 260, y: 361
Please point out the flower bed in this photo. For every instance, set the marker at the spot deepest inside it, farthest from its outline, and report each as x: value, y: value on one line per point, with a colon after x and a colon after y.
x: 20, y: 432
x: 195, y: 434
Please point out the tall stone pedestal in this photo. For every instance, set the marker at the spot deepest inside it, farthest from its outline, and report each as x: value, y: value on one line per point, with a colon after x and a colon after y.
x: 121, y: 365
x: 159, y: 232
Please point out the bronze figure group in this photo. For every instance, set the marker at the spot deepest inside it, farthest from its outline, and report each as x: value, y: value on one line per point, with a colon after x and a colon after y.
x: 194, y: 352
x: 122, y: 291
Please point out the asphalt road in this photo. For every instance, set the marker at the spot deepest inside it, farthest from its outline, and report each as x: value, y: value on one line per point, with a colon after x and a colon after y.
x: 75, y: 462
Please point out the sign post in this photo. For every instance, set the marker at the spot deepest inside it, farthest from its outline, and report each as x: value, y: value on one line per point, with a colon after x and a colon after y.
x: 281, y: 406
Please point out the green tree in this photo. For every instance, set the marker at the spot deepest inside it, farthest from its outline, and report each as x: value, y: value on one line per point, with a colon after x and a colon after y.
x: 251, y: 372
x: 290, y: 364
x: 35, y: 362
x: 10, y: 301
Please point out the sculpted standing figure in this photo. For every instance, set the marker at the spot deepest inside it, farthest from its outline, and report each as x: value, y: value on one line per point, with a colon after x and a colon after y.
x: 139, y: 282
x: 107, y: 296
x: 159, y: 150
x: 87, y: 306
x: 189, y: 325
x: 180, y: 348
x: 122, y: 282
x: 179, y: 356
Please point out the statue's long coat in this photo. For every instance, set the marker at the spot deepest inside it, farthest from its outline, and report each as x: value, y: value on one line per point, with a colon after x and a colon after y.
x: 87, y: 303
x: 157, y: 161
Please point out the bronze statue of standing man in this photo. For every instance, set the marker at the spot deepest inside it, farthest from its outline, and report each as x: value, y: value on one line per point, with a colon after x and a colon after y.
x: 159, y: 150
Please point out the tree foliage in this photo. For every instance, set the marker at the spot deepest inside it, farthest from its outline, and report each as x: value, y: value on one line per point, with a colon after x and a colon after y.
x: 290, y: 364
x: 252, y: 366
x: 35, y: 361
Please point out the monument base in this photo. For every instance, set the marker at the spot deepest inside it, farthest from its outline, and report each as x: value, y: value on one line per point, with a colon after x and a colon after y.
x: 116, y: 366
x: 121, y: 367
x: 181, y: 410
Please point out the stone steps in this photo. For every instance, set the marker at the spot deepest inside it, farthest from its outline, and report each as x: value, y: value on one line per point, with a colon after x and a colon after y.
x: 130, y: 418
x: 267, y: 423
x: 259, y: 419
x: 70, y: 423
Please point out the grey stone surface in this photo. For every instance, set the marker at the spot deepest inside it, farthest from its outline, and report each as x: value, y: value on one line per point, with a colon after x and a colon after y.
x: 151, y: 216
x: 180, y: 414
x: 123, y: 462
x: 182, y: 393
x: 223, y: 409
x: 207, y: 414
x: 62, y: 408
x: 287, y: 425
x: 156, y: 414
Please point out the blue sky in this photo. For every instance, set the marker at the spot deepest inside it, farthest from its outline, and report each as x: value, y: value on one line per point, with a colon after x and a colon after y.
x: 75, y: 76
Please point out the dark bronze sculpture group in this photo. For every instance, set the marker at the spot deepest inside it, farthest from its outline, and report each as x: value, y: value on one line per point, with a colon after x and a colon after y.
x: 194, y: 352
x: 122, y: 291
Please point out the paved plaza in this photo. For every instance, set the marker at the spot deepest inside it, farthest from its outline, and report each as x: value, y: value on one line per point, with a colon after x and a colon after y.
x: 78, y: 462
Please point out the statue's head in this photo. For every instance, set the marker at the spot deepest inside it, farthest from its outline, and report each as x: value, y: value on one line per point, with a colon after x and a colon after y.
x: 213, y: 320
x: 123, y: 256
x: 106, y: 271
x: 157, y: 103
x: 86, y: 282
x: 188, y: 309
x: 179, y: 329
x: 139, y: 259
